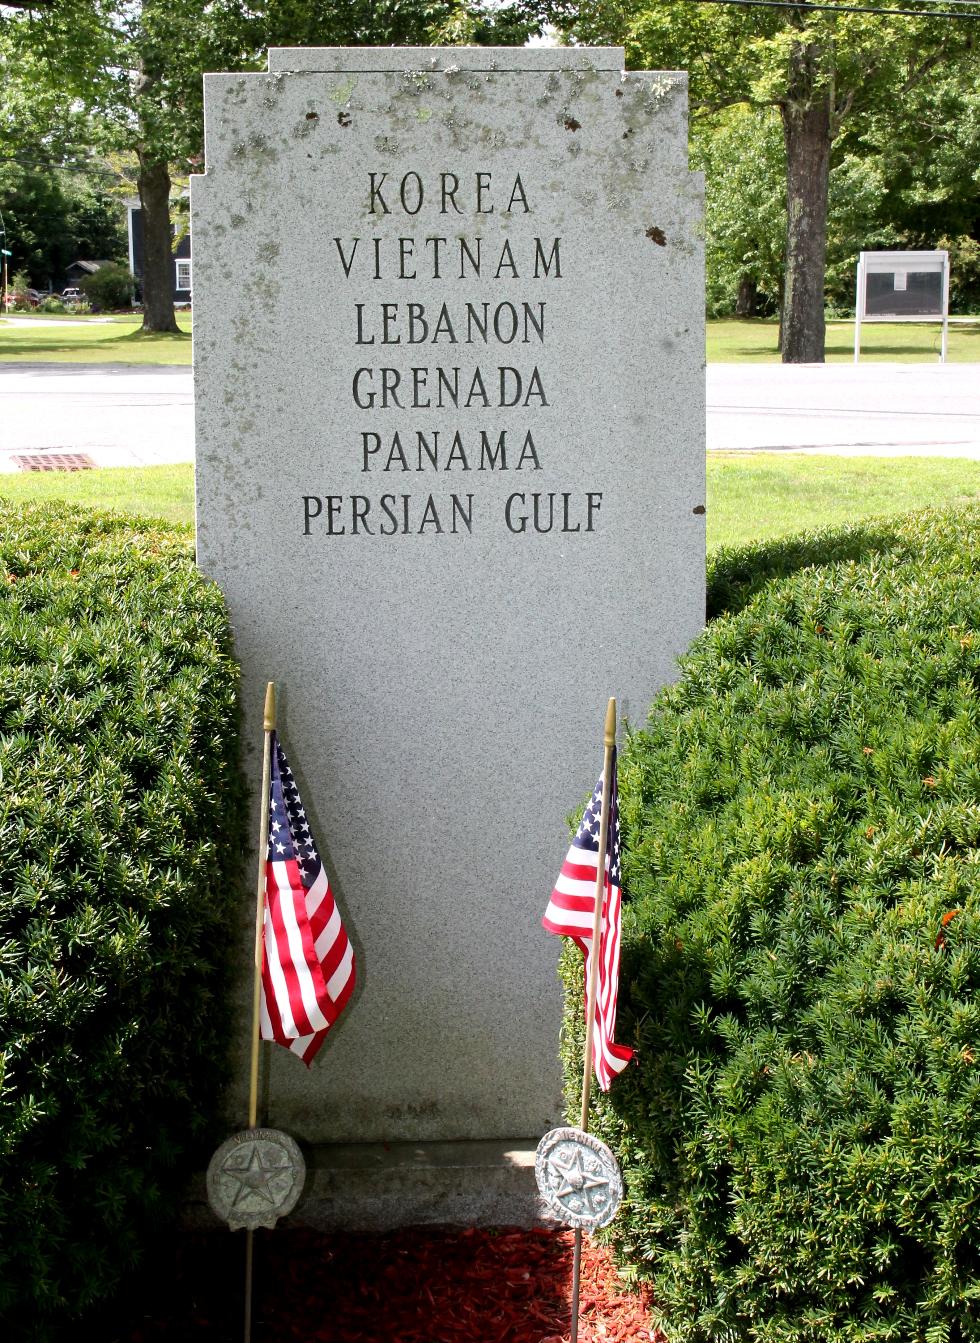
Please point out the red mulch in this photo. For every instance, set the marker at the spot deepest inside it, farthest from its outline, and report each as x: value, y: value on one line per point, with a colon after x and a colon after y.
x: 419, y: 1285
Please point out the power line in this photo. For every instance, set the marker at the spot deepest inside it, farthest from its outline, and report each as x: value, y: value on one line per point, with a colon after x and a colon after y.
x: 93, y: 167
x: 805, y: 5
x: 42, y: 163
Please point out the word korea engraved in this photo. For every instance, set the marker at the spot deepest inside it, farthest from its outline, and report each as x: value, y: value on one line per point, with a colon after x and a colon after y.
x: 255, y: 1177
x: 578, y: 1178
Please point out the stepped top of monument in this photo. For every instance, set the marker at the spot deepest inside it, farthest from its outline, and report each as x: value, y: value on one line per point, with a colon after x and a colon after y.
x: 364, y: 60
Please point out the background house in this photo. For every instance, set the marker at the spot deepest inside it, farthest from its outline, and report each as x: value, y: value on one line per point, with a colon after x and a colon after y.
x: 78, y: 270
x: 181, y: 260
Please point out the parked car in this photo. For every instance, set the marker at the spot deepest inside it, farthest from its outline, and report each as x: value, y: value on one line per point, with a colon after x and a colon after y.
x: 71, y: 295
x: 23, y: 298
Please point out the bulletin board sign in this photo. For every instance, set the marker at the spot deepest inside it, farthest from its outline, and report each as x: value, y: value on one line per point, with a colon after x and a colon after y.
x: 902, y: 287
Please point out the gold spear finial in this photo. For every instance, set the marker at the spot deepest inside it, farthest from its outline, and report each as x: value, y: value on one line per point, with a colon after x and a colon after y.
x: 610, y: 737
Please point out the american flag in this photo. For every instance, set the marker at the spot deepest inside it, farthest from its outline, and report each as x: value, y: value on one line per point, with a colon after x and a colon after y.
x: 571, y: 913
x: 308, y: 966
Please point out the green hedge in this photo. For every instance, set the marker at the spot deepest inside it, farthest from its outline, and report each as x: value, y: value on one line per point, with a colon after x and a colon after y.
x: 120, y: 841
x: 801, y: 956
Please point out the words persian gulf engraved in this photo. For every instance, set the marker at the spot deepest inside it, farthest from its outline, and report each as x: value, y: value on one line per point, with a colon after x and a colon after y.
x: 418, y: 444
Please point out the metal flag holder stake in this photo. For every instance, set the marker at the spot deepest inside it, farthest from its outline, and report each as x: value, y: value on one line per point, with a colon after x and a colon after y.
x: 577, y: 1174
x: 257, y: 1175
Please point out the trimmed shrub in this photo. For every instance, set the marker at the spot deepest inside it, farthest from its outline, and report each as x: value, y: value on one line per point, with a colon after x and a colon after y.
x: 111, y: 286
x: 120, y: 837
x: 801, y: 951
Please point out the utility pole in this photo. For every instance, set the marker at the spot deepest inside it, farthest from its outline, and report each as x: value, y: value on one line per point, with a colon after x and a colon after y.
x: 3, y: 269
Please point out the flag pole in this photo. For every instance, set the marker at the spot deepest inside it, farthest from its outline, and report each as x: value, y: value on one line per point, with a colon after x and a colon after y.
x: 609, y: 741
x: 269, y: 723
x: 270, y: 727
x: 600, y: 893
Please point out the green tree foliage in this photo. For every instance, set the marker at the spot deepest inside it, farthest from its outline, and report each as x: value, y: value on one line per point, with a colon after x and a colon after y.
x: 743, y: 160
x: 138, y: 64
x: 34, y: 110
x: 55, y: 194
x: 121, y: 824
x: 742, y: 154
x: 930, y: 154
x: 382, y: 23
x: 877, y: 200
x: 801, y: 950
x: 928, y: 163
x: 822, y: 72
x: 136, y: 68
x: 56, y: 216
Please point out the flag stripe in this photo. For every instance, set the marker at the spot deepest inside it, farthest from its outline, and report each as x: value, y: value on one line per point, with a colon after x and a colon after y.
x: 295, y: 947
x: 329, y: 933
x: 278, y: 970
x: 571, y: 913
x: 319, y: 904
x: 343, y: 975
x: 309, y: 972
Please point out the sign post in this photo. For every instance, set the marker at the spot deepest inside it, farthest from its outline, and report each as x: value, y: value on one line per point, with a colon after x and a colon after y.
x: 902, y: 287
x: 4, y: 252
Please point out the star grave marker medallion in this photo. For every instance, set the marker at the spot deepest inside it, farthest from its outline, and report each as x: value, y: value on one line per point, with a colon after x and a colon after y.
x: 578, y: 1178
x: 255, y: 1177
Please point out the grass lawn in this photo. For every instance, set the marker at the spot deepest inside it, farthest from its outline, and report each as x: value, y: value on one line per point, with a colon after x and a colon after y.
x: 754, y: 341
x: 119, y: 341
x: 153, y: 491
x: 758, y: 495
x: 751, y: 496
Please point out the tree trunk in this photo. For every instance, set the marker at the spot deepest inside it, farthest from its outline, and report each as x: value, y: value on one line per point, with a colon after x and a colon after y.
x: 158, y: 258
x: 807, y: 132
x: 747, y: 300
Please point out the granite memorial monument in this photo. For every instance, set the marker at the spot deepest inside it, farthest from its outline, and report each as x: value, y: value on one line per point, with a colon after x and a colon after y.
x: 448, y: 347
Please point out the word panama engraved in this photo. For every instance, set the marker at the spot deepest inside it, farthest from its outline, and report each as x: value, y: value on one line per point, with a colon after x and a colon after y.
x: 448, y: 342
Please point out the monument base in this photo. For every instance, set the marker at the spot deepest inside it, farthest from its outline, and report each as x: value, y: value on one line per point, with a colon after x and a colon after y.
x: 381, y: 1186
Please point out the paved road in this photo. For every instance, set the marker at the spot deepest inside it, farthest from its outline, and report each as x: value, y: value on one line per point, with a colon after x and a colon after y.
x: 855, y: 410
x: 119, y: 415
x: 126, y: 416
